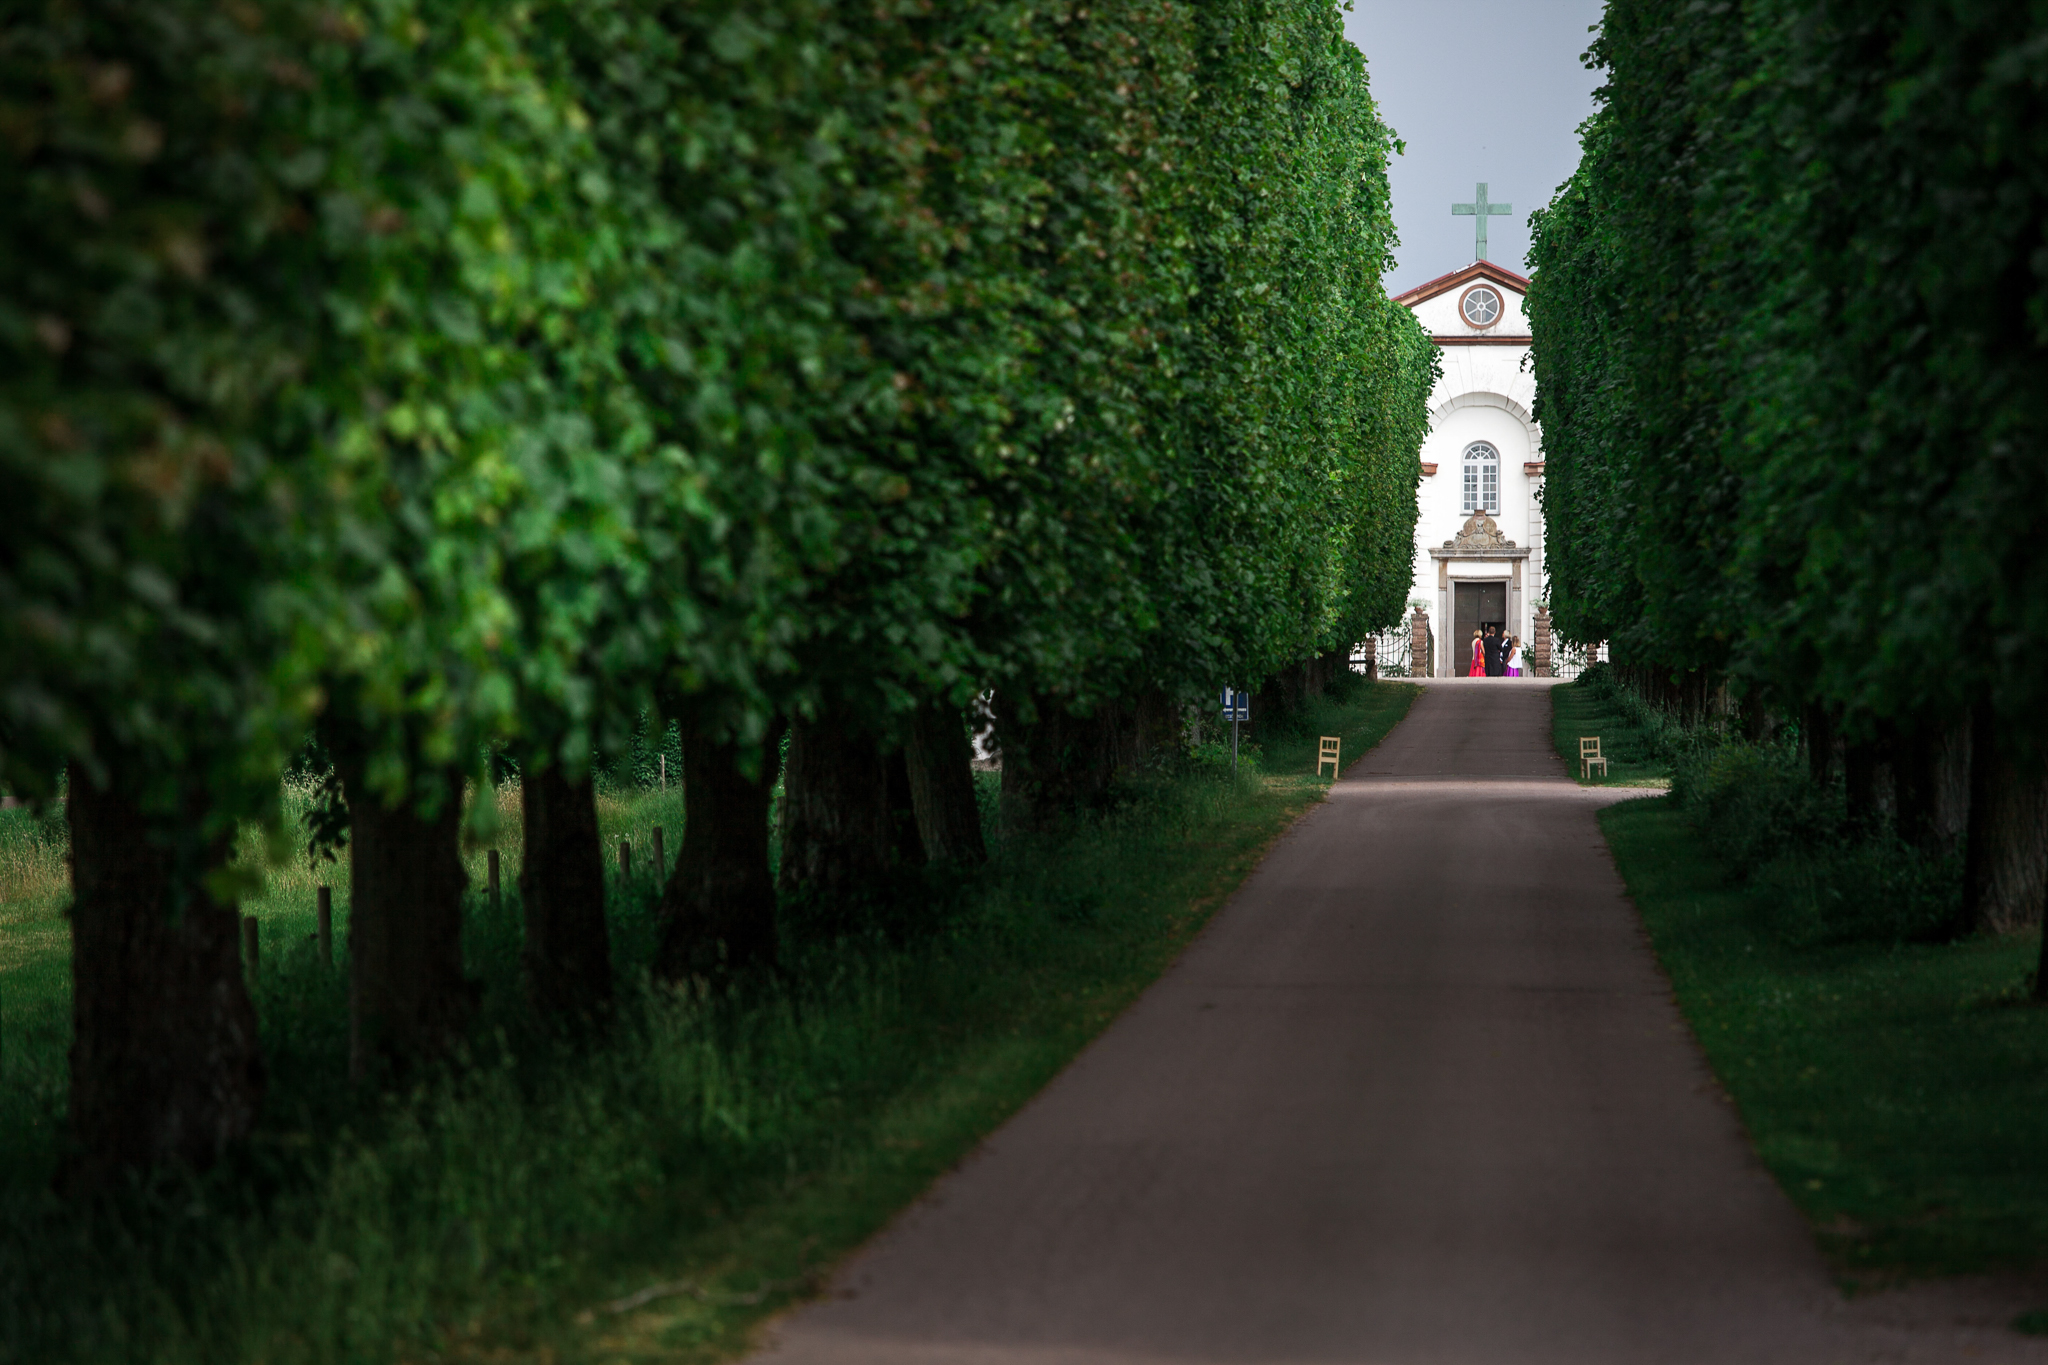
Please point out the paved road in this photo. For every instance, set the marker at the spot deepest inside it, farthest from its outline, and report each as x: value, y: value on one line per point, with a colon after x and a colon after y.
x: 1418, y: 1095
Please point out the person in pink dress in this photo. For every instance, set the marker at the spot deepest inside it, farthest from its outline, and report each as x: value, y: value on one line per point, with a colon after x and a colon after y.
x: 1478, y: 669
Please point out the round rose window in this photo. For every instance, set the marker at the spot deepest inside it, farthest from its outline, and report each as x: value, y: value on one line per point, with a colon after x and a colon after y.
x: 1481, y: 305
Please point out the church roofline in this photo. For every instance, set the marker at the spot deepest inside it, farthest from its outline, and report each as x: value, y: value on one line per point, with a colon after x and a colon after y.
x: 1478, y: 270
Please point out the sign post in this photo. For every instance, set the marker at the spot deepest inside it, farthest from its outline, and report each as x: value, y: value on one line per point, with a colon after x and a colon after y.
x: 1237, y: 704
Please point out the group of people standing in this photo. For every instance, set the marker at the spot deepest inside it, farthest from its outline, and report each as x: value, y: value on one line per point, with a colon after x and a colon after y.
x: 1495, y: 654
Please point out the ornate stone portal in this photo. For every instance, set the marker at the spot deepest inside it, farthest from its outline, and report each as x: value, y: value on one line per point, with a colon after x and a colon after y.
x: 1478, y: 553
x: 1479, y: 533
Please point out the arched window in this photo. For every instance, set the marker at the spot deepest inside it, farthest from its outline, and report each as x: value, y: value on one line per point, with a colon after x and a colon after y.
x: 1482, y: 478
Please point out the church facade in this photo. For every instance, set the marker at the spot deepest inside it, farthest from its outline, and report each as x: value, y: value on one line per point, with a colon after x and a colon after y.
x: 1479, y: 527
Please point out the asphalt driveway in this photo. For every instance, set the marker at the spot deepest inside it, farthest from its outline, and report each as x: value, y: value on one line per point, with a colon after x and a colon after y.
x: 1418, y: 1095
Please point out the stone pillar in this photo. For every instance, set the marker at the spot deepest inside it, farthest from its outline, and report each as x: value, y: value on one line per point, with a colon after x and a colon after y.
x: 1540, y: 639
x: 1418, y: 643
x: 1371, y: 646
x: 1514, y: 626
x: 1445, y: 665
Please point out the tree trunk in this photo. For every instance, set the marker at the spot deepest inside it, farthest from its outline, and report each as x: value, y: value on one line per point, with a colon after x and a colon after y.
x: 1333, y: 667
x: 567, y: 956
x: 1312, y: 676
x: 1280, y: 699
x: 2041, y: 970
x: 1861, y: 761
x: 166, y: 1065
x: 1951, y: 804
x: 838, y: 836
x: 940, y: 767
x: 1931, y: 770
x: 408, y: 999
x: 1056, y: 764
x: 1755, y: 717
x: 718, y: 906
x: 1142, y: 729
x: 1699, y: 692
x: 1819, y: 733
x: 906, y: 842
x: 2005, y: 862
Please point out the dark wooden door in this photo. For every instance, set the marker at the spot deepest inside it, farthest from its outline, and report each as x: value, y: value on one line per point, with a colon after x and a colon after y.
x: 1474, y: 607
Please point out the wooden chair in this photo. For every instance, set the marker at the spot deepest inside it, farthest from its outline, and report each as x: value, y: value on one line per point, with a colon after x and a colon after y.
x: 1328, y: 754
x: 1590, y: 757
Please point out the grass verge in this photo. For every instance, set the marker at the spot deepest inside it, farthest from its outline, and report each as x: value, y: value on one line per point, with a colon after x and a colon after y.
x: 1633, y: 759
x: 652, y: 1197
x: 1360, y: 720
x: 1898, y: 1092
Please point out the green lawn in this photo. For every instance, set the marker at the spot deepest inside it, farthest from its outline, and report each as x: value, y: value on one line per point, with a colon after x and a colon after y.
x: 1900, y: 1095
x: 1360, y: 722
x: 700, y: 1170
x: 1577, y: 711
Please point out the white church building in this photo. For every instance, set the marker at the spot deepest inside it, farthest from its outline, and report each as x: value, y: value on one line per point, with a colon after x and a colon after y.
x: 1479, y: 528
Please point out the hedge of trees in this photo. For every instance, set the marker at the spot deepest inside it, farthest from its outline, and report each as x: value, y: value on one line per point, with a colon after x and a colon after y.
x: 458, y: 379
x: 1791, y: 323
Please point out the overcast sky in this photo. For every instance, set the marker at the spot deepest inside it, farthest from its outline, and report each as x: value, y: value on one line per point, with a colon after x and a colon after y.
x: 1488, y: 90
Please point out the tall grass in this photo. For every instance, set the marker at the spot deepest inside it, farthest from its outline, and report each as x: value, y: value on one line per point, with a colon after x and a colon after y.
x: 35, y: 982
x: 34, y: 867
x: 721, y: 1150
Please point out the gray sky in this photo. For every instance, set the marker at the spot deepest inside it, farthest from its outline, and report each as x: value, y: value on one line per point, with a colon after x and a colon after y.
x: 1479, y: 90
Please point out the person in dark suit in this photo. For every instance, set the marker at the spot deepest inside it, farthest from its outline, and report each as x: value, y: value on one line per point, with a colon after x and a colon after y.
x: 1496, y: 653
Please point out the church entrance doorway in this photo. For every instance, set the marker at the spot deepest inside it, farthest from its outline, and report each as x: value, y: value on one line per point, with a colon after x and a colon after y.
x: 1475, y: 606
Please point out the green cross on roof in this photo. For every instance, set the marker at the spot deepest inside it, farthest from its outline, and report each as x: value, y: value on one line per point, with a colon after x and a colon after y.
x: 1480, y: 209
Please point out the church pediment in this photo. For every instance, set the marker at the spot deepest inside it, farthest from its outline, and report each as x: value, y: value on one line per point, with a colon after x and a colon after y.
x: 1458, y: 279
x: 1480, y: 306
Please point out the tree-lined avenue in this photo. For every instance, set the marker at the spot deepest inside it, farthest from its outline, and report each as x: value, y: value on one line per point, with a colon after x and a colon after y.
x: 1418, y: 1094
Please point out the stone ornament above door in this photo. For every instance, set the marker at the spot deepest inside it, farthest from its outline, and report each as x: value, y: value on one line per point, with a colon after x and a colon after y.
x: 1480, y: 532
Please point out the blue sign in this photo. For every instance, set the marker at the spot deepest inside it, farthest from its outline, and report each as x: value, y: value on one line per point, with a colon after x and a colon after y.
x: 1237, y: 705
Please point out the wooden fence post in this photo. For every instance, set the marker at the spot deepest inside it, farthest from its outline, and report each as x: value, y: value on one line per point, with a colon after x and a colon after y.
x: 324, y: 916
x: 660, y: 859
x: 251, y: 959
x: 625, y: 858
x: 491, y: 877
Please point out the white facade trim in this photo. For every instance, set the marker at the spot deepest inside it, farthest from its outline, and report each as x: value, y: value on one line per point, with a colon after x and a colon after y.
x: 1481, y: 399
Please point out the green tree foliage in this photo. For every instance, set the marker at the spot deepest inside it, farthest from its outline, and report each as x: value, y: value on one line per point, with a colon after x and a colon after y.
x: 164, y: 344
x: 472, y: 376
x: 1789, y: 320
x: 1628, y: 309
x: 1307, y: 535
x: 968, y: 344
